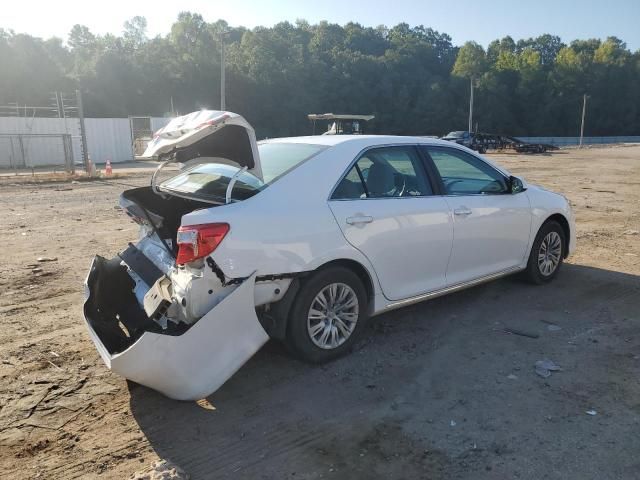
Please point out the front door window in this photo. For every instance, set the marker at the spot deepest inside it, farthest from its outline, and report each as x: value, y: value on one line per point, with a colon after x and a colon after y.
x: 464, y: 174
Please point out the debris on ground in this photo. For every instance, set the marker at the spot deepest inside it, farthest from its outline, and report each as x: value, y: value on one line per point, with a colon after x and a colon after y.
x: 161, y: 470
x: 632, y: 232
x: 206, y: 404
x: 591, y: 412
x: 47, y: 259
x: 545, y: 367
x: 103, y: 429
x: 522, y: 333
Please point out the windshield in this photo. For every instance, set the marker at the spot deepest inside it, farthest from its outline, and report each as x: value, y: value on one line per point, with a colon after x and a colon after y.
x: 276, y: 159
x: 209, y: 181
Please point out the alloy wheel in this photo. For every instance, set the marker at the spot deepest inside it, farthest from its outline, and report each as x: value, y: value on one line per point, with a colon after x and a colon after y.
x: 332, y: 316
x: 550, y: 253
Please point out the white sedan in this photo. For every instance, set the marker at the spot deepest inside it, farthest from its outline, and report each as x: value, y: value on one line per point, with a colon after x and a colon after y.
x: 302, y: 240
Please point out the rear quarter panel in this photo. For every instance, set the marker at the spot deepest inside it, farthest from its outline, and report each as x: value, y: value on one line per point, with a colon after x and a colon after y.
x: 288, y: 227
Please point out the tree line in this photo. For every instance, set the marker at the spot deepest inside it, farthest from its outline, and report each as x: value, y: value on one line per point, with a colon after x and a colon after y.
x: 413, y: 79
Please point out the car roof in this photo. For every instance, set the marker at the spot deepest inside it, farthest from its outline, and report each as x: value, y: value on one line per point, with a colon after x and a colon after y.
x: 364, y: 141
x: 332, y: 140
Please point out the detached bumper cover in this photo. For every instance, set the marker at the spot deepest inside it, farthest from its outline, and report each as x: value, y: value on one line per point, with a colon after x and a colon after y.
x: 196, y: 363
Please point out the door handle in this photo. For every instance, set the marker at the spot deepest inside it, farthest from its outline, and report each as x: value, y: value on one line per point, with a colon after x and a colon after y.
x: 462, y: 212
x: 359, y: 219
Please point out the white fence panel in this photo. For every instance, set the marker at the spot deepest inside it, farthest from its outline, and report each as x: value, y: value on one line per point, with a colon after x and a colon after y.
x: 42, y: 151
x: 565, y: 141
x: 109, y: 138
x: 7, y: 154
x: 25, y: 125
x: 38, y: 151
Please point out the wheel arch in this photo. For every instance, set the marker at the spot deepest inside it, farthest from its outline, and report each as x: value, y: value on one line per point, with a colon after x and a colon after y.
x: 360, y: 270
x: 566, y: 229
x: 276, y: 320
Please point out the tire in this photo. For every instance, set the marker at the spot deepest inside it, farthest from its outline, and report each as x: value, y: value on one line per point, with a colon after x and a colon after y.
x: 302, y: 322
x: 540, y: 271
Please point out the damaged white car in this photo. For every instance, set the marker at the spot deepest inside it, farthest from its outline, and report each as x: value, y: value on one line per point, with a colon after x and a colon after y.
x: 301, y: 240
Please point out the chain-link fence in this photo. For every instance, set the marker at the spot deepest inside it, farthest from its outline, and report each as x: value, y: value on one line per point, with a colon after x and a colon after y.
x: 30, y: 151
x: 141, y: 133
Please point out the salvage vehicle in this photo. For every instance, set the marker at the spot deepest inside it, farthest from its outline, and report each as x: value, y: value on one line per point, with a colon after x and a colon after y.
x: 504, y: 142
x: 481, y: 142
x: 467, y: 139
x: 302, y: 240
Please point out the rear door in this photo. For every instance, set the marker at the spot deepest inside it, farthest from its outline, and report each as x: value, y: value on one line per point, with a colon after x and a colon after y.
x: 491, y: 226
x: 386, y: 208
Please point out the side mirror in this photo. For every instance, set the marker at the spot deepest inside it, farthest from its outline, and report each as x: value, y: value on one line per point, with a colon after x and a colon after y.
x: 516, y: 185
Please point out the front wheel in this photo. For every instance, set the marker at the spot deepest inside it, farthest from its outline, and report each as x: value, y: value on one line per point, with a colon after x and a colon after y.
x: 547, y: 254
x: 327, y: 316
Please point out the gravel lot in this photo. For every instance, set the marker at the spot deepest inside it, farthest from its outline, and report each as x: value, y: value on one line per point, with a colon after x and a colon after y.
x: 435, y: 391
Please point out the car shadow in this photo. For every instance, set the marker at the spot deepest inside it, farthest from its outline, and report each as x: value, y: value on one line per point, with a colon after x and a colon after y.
x: 414, y: 369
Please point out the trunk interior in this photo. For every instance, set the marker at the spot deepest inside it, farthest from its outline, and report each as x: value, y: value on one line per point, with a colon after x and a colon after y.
x: 112, y: 309
x: 164, y: 211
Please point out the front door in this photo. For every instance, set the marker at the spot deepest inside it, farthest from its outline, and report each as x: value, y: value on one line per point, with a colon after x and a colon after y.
x: 386, y: 209
x: 491, y: 226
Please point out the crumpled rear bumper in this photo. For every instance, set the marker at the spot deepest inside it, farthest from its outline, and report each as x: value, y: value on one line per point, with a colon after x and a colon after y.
x: 197, y: 362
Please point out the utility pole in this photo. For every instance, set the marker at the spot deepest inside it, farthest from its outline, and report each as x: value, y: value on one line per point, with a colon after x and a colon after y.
x: 584, y: 109
x: 64, y: 114
x: 83, y: 132
x: 471, y: 108
x: 222, y: 93
x: 223, y: 103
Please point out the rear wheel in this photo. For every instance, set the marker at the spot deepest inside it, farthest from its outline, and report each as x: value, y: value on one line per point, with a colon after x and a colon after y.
x: 327, y: 316
x: 547, y: 254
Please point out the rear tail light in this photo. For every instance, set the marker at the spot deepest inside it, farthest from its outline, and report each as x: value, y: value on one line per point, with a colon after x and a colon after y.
x: 198, y: 241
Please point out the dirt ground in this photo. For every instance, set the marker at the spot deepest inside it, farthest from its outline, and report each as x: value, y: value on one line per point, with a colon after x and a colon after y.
x: 435, y: 391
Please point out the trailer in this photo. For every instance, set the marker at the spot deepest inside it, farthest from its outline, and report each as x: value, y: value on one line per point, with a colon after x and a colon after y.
x: 503, y: 142
x: 481, y: 142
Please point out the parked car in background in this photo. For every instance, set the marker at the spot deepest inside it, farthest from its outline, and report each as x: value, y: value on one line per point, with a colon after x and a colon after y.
x: 467, y: 139
x: 481, y: 142
x: 302, y: 240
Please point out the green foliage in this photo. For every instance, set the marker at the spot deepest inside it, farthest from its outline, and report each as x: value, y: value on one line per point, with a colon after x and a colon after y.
x: 411, y: 77
x: 471, y: 61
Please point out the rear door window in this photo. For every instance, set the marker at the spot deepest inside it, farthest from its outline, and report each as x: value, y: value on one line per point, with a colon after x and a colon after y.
x: 386, y: 172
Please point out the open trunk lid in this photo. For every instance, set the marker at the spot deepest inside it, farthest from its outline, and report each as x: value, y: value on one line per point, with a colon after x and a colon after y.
x: 207, y: 136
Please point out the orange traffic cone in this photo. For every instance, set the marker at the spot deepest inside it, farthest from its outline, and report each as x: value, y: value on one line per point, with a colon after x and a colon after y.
x: 107, y: 169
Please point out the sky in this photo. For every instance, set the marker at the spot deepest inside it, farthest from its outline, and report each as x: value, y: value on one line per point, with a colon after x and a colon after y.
x: 463, y: 20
